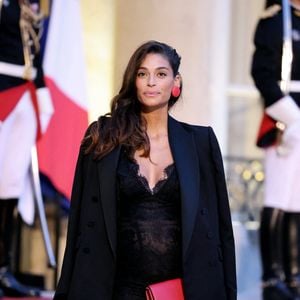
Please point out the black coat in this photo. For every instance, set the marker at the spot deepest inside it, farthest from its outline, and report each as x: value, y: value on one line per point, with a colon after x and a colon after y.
x: 266, y: 63
x: 11, y: 46
x: 266, y: 67
x: 208, y: 246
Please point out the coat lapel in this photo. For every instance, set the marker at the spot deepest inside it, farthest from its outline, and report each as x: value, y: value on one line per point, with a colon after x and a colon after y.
x: 184, y: 152
x: 107, y: 168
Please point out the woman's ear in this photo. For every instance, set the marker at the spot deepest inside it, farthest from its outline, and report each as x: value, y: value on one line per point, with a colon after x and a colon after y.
x: 177, y: 80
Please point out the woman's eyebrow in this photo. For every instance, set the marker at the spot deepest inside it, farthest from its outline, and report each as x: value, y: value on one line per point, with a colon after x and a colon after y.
x: 158, y: 68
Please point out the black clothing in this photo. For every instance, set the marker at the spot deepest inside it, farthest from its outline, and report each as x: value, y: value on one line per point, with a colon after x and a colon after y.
x: 208, y: 259
x: 266, y: 64
x: 10, y: 36
x: 8, y: 283
x: 11, y: 46
x: 7, y: 207
x: 149, y: 235
x: 291, y: 249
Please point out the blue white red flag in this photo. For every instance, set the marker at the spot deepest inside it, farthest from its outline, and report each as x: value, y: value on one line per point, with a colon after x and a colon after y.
x: 64, y: 70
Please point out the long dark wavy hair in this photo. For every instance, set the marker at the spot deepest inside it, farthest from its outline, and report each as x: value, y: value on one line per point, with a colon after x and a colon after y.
x: 124, y: 125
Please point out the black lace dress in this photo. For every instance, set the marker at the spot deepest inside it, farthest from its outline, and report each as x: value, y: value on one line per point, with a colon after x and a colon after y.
x: 149, y: 230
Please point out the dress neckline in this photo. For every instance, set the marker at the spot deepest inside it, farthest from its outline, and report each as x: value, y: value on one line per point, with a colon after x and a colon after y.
x: 167, y: 171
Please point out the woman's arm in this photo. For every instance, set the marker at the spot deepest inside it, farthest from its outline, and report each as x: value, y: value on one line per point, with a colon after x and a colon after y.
x: 73, y: 233
x: 225, y: 225
x: 266, y: 61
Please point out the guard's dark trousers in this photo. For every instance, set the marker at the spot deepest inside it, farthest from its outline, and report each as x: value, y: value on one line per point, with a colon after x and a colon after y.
x: 8, y: 283
x: 271, y: 247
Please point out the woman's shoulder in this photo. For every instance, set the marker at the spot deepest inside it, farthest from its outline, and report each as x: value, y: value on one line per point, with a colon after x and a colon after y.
x: 199, y: 129
x: 202, y: 133
x: 93, y: 132
x: 97, y: 125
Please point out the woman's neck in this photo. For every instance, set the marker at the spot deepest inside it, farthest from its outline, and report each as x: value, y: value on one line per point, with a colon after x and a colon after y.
x: 157, y: 123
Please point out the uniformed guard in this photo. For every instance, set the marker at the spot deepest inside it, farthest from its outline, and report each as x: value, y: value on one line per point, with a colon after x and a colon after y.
x: 276, y: 72
x: 25, y: 109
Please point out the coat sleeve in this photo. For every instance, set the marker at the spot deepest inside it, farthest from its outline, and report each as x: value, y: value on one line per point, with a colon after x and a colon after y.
x: 266, y: 61
x: 225, y: 224
x: 73, y: 233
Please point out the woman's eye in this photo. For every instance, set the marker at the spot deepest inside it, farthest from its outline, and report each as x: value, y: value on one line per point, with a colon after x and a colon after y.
x: 141, y: 74
x: 162, y: 74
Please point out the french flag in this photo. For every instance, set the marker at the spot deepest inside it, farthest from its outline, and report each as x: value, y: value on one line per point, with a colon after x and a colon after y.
x: 64, y: 71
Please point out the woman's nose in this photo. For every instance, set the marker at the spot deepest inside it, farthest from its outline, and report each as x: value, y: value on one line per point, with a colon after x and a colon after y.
x: 151, y: 80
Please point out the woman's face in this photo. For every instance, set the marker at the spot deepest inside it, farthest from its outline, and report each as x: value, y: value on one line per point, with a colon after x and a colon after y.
x: 154, y: 82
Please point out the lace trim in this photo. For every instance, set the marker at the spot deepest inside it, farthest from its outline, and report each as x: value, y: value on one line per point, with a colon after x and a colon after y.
x: 142, y: 178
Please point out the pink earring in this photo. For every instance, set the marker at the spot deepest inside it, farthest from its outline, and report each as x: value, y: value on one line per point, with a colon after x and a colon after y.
x: 175, y: 91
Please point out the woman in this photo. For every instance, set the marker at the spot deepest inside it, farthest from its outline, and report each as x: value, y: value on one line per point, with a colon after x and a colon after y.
x: 149, y: 200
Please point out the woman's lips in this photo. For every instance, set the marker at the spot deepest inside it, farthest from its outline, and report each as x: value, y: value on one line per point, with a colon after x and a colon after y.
x: 151, y: 94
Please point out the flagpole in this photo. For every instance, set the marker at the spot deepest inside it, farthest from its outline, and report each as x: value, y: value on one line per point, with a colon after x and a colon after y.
x: 287, y: 50
x: 40, y: 206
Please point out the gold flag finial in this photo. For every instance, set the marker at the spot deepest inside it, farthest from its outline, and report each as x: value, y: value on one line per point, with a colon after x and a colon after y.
x: 45, y: 7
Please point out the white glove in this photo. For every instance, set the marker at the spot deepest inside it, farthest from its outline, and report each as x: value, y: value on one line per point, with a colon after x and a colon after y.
x: 284, y: 110
x: 290, y: 138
